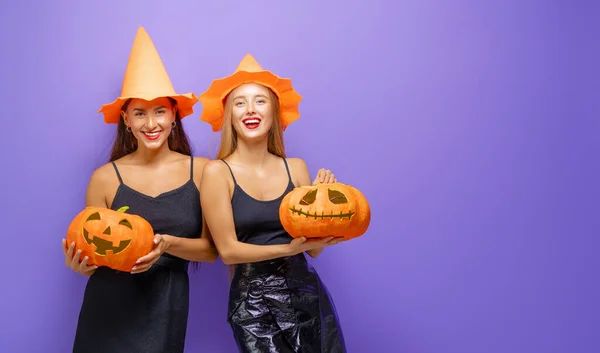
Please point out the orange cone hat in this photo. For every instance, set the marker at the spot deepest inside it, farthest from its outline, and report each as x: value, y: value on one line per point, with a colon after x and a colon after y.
x: 146, y: 78
x: 249, y: 71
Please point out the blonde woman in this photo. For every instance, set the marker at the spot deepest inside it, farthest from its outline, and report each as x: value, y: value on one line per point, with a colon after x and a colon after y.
x: 277, y: 301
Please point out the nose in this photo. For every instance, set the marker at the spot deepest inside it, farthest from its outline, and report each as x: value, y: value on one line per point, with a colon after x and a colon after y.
x: 107, y: 231
x: 151, y: 122
x: 251, y: 109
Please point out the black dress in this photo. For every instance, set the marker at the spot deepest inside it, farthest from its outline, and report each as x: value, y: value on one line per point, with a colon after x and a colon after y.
x: 145, y: 312
x: 277, y: 305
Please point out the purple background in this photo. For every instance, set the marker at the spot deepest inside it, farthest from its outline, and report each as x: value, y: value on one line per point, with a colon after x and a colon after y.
x: 471, y: 126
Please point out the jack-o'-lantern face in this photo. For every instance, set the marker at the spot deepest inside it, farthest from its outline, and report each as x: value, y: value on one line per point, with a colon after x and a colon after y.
x: 325, y: 210
x: 106, y: 237
x: 111, y: 238
x: 335, y: 205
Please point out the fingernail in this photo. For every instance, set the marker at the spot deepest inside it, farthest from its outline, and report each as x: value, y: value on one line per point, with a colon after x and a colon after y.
x: 134, y: 268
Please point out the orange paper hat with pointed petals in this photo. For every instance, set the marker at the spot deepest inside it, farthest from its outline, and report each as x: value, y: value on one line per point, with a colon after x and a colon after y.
x: 249, y: 71
x: 146, y: 78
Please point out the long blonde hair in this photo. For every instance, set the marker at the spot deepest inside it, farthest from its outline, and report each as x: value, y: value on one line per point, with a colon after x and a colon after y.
x: 228, y: 142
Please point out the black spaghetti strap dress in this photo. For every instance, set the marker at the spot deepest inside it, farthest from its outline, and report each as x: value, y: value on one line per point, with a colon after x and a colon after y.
x: 146, y: 312
x: 278, y: 305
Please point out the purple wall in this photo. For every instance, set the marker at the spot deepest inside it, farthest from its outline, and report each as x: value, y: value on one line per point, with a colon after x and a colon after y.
x: 476, y: 149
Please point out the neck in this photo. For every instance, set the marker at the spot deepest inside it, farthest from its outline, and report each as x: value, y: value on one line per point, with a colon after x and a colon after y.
x: 252, y: 152
x: 144, y: 155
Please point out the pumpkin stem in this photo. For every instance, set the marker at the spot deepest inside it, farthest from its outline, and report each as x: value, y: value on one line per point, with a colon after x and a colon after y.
x: 123, y: 209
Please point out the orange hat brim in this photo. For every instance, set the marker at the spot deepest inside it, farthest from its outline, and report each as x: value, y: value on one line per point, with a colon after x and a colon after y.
x: 212, y: 99
x: 112, y: 111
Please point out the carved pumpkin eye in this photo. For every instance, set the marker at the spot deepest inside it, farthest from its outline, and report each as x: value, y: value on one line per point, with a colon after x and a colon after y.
x: 126, y: 223
x: 309, y: 198
x: 337, y: 197
x: 93, y: 217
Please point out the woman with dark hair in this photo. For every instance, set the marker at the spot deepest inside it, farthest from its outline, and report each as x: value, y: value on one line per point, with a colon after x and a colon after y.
x: 277, y: 301
x: 152, y: 171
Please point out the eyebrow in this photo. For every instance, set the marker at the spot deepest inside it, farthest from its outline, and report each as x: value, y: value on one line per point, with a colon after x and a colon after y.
x: 141, y: 110
x: 258, y: 95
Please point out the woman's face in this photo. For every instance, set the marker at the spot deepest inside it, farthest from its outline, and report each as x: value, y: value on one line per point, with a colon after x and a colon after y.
x: 252, y: 111
x: 150, y: 121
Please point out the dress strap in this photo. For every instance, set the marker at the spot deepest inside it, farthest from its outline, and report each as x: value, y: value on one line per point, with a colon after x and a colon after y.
x: 288, y: 170
x: 231, y: 171
x: 191, y: 167
x: 117, y: 170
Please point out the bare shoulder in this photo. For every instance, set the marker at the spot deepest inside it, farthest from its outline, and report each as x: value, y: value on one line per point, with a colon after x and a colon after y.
x: 104, y: 175
x: 199, y: 164
x: 200, y: 161
x: 297, y: 163
x: 102, y: 183
x: 214, y: 168
x: 216, y: 178
x: 299, y: 171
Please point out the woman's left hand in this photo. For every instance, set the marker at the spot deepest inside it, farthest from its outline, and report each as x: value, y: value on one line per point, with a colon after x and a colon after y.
x: 324, y: 176
x: 144, y: 263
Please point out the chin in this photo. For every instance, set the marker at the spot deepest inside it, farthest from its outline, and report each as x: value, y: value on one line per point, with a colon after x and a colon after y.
x: 253, y: 134
x: 154, y: 145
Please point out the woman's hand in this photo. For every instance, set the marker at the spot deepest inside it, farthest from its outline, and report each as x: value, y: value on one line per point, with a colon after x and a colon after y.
x: 161, y: 244
x: 324, y: 176
x: 301, y: 244
x: 73, y: 262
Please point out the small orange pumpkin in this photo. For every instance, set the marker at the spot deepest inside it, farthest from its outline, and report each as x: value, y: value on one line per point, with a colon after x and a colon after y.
x: 324, y: 210
x: 111, y: 238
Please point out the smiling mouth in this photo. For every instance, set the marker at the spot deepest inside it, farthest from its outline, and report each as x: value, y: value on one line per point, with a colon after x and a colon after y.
x: 251, y: 123
x: 152, y: 135
x: 315, y: 215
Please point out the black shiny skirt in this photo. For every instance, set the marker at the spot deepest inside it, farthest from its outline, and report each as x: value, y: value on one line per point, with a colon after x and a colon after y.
x: 282, y: 306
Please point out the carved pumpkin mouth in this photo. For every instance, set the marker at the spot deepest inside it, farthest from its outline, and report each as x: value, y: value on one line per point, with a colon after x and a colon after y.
x: 334, y: 196
x: 103, y: 245
x: 314, y: 215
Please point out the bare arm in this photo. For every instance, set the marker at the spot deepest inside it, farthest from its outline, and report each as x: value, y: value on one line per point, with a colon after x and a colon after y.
x: 96, y: 191
x: 216, y: 203
x: 200, y: 249
x: 95, y: 197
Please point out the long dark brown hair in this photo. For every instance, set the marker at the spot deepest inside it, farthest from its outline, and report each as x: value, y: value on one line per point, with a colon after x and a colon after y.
x: 125, y: 143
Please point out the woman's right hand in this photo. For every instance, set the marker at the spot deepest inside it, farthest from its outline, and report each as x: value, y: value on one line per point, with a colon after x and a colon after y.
x: 73, y: 262
x: 300, y: 245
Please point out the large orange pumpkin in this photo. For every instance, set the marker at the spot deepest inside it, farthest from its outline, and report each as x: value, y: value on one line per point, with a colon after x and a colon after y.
x: 324, y: 210
x: 111, y: 238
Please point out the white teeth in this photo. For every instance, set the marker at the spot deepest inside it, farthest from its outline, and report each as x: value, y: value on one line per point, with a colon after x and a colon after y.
x: 251, y: 121
x: 152, y: 133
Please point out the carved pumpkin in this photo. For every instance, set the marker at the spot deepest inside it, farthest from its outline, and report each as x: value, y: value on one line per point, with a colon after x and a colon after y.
x: 324, y: 210
x: 111, y: 238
